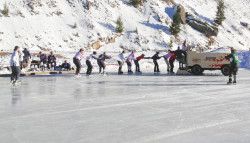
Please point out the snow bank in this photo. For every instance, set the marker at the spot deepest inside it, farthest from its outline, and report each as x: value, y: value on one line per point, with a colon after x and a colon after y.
x: 244, y: 58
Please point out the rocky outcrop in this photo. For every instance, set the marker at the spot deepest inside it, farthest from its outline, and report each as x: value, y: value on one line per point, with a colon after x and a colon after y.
x: 201, y: 26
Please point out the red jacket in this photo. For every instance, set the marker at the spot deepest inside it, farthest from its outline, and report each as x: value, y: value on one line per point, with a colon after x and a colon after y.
x: 172, y: 58
x: 139, y: 58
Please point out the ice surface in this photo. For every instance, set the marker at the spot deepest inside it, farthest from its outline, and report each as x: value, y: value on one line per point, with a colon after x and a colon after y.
x: 143, y: 108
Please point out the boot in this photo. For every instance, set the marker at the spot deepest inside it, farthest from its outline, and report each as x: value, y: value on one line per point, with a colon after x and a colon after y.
x: 234, y: 82
x: 230, y: 81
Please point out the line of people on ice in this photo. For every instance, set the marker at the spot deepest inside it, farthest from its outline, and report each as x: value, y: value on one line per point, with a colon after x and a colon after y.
x: 170, y: 57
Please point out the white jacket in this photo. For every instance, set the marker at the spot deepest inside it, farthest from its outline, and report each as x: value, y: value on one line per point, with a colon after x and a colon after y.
x: 14, y: 61
x: 131, y: 58
x: 21, y: 56
x: 79, y: 56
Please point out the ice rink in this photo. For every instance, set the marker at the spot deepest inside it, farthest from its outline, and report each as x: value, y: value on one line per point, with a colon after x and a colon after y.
x: 143, y: 108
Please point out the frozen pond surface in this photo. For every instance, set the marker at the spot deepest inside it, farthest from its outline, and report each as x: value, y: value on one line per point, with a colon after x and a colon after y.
x: 125, y: 109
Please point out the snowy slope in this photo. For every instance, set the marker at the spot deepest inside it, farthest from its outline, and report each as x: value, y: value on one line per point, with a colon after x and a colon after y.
x: 49, y: 24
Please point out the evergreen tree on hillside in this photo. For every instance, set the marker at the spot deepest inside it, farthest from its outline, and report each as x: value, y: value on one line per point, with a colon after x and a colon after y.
x: 135, y: 2
x: 5, y: 10
x: 175, y: 27
x: 220, y: 14
x: 119, y: 27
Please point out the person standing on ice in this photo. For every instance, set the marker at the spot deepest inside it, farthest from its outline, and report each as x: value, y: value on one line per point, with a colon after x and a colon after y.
x: 27, y: 55
x: 77, y: 61
x: 155, y: 58
x: 180, y: 56
x: 171, y: 62
x: 129, y: 60
x: 166, y: 58
x: 89, y: 64
x: 52, y: 60
x: 120, y: 61
x: 137, y: 65
x: 234, y: 62
x: 184, y: 45
x: 14, y: 64
x: 101, y: 62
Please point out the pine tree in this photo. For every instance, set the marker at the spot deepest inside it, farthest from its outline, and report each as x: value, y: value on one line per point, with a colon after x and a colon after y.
x: 175, y: 27
x: 220, y: 14
x: 136, y: 2
x: 119, y: 27
x: 5, y: 10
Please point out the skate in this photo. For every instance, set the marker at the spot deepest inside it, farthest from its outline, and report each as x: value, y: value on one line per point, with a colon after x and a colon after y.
x: 234, y: 82
x: 120, y: 72
x: 229, y: 83
x: 12, y: 82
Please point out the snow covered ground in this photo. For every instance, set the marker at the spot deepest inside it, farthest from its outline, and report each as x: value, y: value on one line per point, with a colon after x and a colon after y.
x: 143, y: 108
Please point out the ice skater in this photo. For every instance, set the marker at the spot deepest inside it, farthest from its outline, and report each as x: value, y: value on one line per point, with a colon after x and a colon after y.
x: 155, y: 58
x: 181, y: 57
x: 21, y: 59
x: 120, y: 61
x: 137, y: 65
x: 129, y: 60
x: 14, y: 64
x: 234, y: 62
x: 89, y: 64
x: 166, y: 58
x: 101, y: 62
x: 171, y: 62
x: 77, y: 61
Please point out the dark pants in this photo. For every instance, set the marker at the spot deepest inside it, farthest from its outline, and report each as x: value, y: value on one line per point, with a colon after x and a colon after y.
x: 129, y: 66
x: 171, y: 65
x: 137, y: 66
x: 120, y: 66
x: 233, y: 71
x: 50, y: 63
x: 26, y: 59
x: 101, y: 65
x: 78, y: 65
x: 90, y: 67
x: 15, y: 73
x: 156, y: 68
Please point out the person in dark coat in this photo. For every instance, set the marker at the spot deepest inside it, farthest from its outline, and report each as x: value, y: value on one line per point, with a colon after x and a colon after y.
x: 155, y: 58
x: 52, y: 61
x: 181, y: 57
x: 234, y: 62
x: 66, y: 65
x: 27, y: 55
x: 101, y: 62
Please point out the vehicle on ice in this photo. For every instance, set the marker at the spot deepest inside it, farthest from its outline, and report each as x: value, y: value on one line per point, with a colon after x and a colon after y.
x: 197, y: 62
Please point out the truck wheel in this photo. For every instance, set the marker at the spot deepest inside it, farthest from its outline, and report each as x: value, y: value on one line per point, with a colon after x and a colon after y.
x: 197, y: 70
x: 225, y: 70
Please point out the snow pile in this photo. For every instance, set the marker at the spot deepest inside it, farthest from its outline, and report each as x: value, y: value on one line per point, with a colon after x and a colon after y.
x: 244, y: 58
x: 49, y: 25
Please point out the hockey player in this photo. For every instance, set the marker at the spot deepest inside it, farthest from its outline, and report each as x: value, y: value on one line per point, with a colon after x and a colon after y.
x: 77, y: 61
x: 166, y: 58
x: 137, y: 65
x: 89, y: 64
x: 121, y: 62
x: 155, y: 58
x: 52, y: 60
x: 129, y: 60
x: 101, y: 62
x: 234, y: 62
x: 14, y: 64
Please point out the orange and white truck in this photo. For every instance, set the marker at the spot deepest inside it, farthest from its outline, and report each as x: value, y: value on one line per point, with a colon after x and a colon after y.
x: 198, y: 62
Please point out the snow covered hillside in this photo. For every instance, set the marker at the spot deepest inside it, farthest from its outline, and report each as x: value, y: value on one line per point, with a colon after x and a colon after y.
x: 49, y: 24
